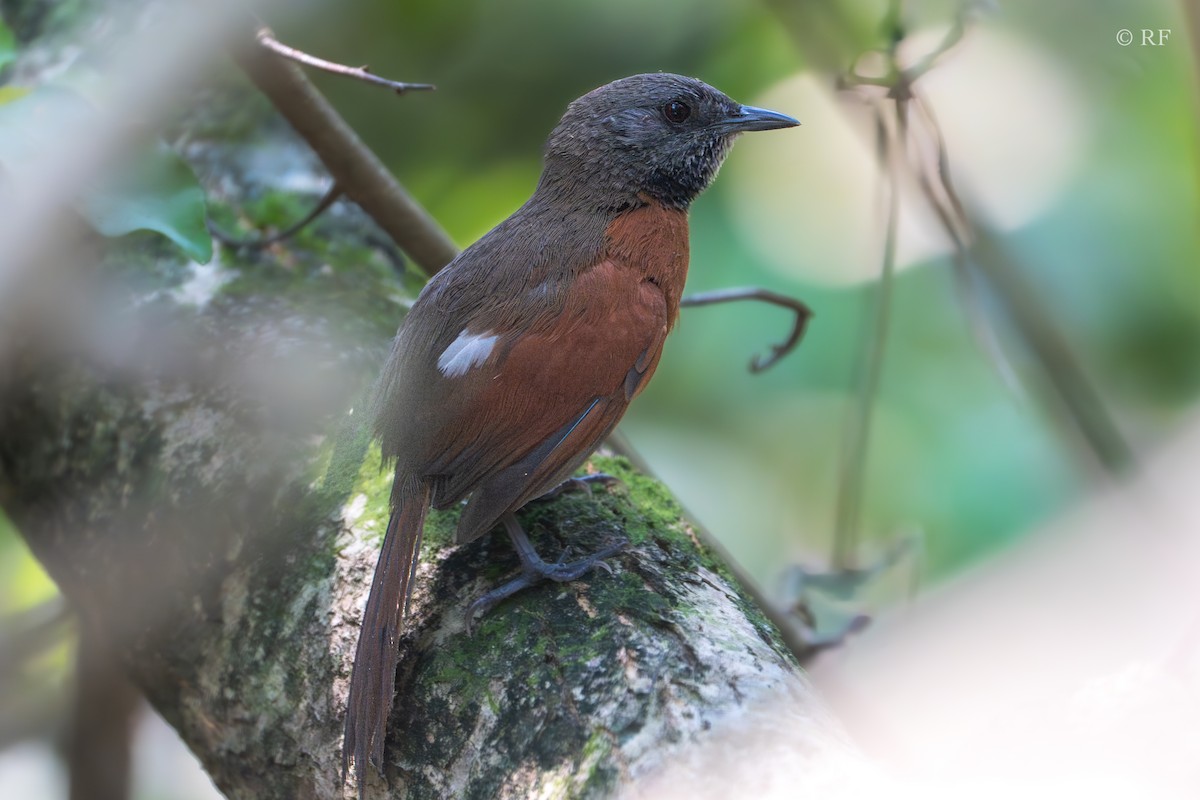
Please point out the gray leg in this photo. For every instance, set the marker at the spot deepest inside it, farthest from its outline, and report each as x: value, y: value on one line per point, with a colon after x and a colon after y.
x: 534, y: 570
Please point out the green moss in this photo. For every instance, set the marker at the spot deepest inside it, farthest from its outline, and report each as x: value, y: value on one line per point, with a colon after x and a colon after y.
x: 650, y: 513
x: 595, y: 773
x: 553, y: 640
x: 658, y: 517
x: 340, y: 462
x: 599, y: 743
x: 492, y: 703
x: 640, y: 508
x: 644, y: 510
x: 466, y: 668
x: 659, y: 509
x: 439, y: 528
x: 374, y: 481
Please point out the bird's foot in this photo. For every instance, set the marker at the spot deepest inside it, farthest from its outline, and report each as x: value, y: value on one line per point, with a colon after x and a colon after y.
x: 534, y: 571
x: 832, y: 635
x: 583, y: 483
x: 825, y: 605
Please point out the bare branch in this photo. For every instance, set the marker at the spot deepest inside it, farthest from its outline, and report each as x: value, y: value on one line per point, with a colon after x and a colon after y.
x: 858, y: 433
x: 267, y: 39
x: 353, y: 166
x: 803, y: 315
x: 329, y: 198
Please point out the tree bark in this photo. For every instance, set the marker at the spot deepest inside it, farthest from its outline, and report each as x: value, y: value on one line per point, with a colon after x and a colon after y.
x: 188, y: 459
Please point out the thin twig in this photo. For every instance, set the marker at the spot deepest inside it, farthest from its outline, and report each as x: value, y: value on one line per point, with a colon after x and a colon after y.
x: 1034, y: 323
x: 1032, y: 320
x: 329, y: 198
x: 353, y: 166
x: 850, y: 489
x: 267, y: 39
x: 799, y: 325
x: 948, y: 43
x: 957, y: 226
x: 1060, y: 367
x: 898, y: 80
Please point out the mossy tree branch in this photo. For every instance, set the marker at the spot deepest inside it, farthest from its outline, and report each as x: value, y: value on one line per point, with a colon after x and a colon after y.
x: 204, y: 494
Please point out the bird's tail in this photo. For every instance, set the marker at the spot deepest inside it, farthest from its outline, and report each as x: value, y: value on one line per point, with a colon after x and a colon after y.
x: 373, y: 680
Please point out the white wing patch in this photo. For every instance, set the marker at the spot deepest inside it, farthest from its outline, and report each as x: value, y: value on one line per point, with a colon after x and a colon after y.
x: 466, y: 352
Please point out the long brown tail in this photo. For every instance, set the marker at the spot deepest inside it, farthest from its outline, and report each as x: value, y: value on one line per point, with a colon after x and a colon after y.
x: 374, y: 678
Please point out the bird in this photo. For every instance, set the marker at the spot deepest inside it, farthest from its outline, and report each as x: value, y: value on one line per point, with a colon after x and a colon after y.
x: 520, y: 356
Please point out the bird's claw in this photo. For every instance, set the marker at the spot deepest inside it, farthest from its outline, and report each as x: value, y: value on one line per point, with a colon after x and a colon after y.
x: 535, y: 572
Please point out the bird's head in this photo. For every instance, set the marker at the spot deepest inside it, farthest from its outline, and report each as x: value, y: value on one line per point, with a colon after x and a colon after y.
x: 657, y: 134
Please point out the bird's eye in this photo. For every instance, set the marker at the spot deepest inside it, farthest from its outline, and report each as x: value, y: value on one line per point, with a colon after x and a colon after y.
x: 677, y: 111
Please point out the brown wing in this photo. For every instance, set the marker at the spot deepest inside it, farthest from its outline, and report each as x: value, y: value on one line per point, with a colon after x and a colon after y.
x: 531, y: 411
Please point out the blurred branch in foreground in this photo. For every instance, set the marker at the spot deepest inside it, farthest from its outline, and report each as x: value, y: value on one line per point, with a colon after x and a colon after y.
x: 1067, y: 667
x: 104, y: 710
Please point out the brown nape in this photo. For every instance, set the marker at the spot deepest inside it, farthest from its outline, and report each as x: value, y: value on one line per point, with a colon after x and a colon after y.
x: 522, y: 355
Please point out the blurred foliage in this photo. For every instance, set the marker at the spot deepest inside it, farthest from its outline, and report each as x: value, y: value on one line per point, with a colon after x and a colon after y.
x: 30, y: 19
x: 955, y: 454
x: 159, y: 193
x: 23, y: 583
x: 156, y: 191
x: 8, y: 45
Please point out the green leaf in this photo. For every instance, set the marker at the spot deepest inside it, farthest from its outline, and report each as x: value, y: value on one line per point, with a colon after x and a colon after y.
x: 8, y: 45
x: 161, y: 194
x: 156, y: 191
